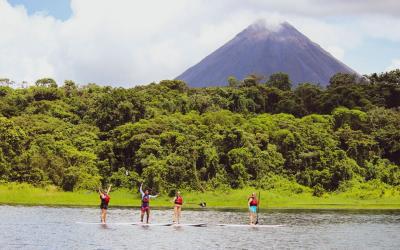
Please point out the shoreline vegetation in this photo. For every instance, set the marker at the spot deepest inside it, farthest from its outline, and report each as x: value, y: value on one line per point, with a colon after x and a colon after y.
x: 307, y: 145
x: 26, y: 194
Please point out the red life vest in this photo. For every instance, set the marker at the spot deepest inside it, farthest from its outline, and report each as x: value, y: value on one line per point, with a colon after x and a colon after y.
x: 253, y: 202
x: 107, y: 198
x: 145, y: 200
x: 179, y: 200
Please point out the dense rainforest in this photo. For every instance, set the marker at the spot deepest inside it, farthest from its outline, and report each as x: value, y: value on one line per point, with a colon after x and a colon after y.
x: 171, y: 136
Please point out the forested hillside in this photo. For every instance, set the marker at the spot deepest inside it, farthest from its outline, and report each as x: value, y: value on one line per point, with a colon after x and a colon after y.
x: 171, y: 136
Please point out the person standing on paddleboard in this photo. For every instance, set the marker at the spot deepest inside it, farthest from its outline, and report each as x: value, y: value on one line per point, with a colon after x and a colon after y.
x: 178, y: 202
x: 145, y: 208
x: 105, y: 199
x: 252, y: 203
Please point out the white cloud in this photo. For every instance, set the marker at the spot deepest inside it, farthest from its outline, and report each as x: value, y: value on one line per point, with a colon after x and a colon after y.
x: 129, y: 42
x: 333, y: 38
x: 25, y: 45
x: 383, y: 27
x: 394, y: 65
x: 336, y: 52
x: 331, y: 8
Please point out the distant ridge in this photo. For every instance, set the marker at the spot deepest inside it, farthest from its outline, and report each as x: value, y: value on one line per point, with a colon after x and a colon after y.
x: 264, y: 51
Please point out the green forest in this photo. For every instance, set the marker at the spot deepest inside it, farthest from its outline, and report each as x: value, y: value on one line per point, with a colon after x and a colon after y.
x: 254, y: 132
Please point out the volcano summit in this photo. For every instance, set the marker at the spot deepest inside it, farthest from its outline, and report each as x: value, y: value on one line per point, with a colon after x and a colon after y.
x: 263, y: 51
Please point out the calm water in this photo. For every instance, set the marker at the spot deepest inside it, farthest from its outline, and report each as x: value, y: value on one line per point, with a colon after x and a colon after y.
x: 56, y: 228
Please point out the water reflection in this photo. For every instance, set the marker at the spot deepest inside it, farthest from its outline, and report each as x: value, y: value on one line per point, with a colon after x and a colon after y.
x: 52, y: 228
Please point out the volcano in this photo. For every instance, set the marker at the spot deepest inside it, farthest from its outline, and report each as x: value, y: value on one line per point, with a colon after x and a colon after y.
x: 263, y: 51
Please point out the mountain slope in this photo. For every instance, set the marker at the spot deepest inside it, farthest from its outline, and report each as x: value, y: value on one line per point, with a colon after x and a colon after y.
x: 264, y: 51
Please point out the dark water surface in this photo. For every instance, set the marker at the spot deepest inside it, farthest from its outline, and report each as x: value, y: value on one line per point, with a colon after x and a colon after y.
x: 56, y: 228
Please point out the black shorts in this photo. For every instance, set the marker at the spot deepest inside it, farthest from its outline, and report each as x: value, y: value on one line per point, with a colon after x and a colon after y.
x: 103, y: 206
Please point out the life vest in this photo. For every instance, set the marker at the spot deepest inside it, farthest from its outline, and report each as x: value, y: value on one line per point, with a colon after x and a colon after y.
x: 107, y: 198
x: 253, y: 202
x: 145, y: 200
x: 179, y: 200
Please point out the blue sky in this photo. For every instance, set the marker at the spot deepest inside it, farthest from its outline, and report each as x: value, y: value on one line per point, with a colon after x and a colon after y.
x: 57, y: 8
x: 129, y: 42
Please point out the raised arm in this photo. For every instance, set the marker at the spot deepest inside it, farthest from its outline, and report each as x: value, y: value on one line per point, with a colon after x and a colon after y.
x: 109, y: 188
x: 141, y: 190
x: 101, y: 194
x: 153, y: 196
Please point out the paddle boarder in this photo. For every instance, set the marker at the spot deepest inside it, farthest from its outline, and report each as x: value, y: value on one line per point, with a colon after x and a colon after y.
x: 105, y: 199
x: 253, y: 204
x: 178, y: 202
x: 145, y: 208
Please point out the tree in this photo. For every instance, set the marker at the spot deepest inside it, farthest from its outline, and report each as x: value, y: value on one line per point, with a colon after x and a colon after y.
x: 155, y: 172
x: 355, y: 119
x: 233, y: 82
x: 290, y: 104
x: 6, y: 82
x: 384, y: 125
x: 309, y: 95
x: 392, y: 76
x: 12, y: 139
x: 279, y: 80
x: 70, y: 88
x: 46, y: 82
x: 178, y: 85
x: 176, y: 137
x: 341, y: 79
x: 252, y: 80
x: 350, y: 96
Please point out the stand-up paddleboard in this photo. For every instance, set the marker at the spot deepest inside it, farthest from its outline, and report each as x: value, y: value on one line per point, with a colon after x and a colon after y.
x: 151, y: 224
x: 249, y: 226
x: 177, y: 225
x: 190, y: 225
x: 108, y: 223
x: 169, y: 224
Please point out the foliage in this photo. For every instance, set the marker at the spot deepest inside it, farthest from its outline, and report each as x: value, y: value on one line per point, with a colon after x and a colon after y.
x: 170, y: 136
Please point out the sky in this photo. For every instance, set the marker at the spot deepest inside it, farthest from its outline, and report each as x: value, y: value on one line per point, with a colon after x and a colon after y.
x: 130, y: 42
x: 59, y: 9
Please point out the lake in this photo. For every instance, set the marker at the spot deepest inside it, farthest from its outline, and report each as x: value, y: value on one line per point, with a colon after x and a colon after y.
x: 57, y: 228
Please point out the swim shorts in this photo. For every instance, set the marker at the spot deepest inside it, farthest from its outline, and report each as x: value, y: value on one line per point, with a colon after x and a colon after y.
x: 146, y: 208
x: 253, y: 209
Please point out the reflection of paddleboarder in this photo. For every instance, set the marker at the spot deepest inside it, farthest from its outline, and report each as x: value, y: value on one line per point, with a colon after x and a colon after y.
x: 105, y: 199
x: 178, y: 202
x: 145, y: 208
x: 252, y: 203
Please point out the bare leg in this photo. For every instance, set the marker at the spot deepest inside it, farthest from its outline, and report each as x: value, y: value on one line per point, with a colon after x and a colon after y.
x: 253, y: 221
x: 141, y: 215
x: 103, y: 216
x: 251, y: 218
x: 147, y: 215
x: 175, y: 214
x: 178, y: 212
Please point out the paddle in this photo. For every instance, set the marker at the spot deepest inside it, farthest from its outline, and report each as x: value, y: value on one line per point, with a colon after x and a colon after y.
x: 258, y: 206
x: 201, y: 204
